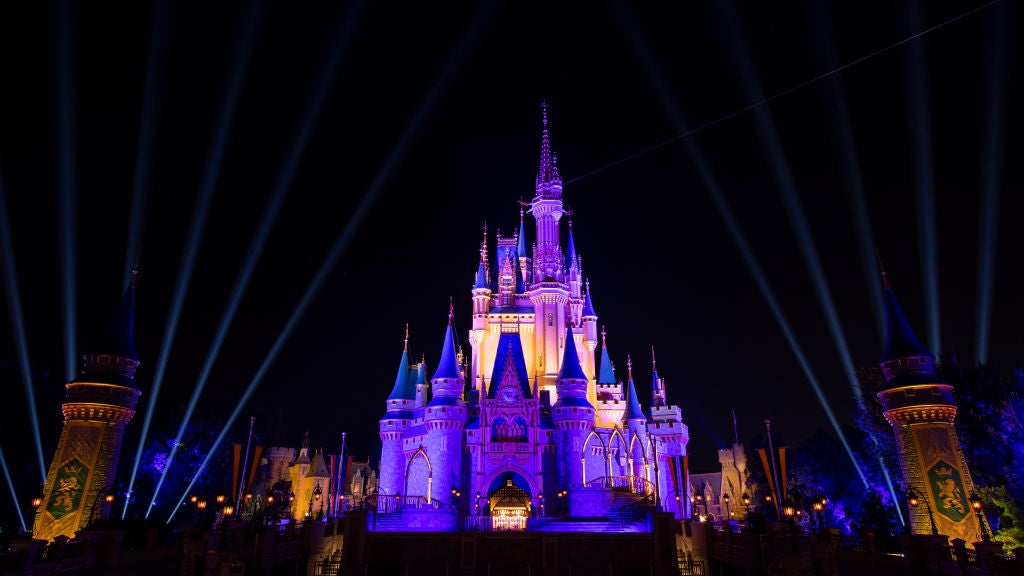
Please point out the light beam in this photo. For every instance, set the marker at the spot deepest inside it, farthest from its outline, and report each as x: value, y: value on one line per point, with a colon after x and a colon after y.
x: 991, y: 170
x: 66, y: 166
x: 711, y: 185
x: 919, y: 114
x: 10, y: 486
x: 397, y: 154
x: 283, y: 182
x: 18, y: 327
x: 144, y: 150
x: 238, y: 65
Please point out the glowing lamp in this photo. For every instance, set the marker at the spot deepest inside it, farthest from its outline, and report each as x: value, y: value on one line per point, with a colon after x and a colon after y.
x: 818, y: 506
x: 109, y: 498
x: 37, y: 502
x: 201, y: 504
x: 194, y: 499
x: 229, y: 510
x: 975, y: 501
x: 789, y: 510
x: 220, y: 498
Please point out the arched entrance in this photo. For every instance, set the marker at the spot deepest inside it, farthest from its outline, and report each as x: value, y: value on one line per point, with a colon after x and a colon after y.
x: 509, y: 502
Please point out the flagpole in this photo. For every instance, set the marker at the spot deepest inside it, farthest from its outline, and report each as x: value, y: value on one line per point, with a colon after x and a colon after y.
x: 775, y: 471
x: 245, y: 462
x: 339, y: 487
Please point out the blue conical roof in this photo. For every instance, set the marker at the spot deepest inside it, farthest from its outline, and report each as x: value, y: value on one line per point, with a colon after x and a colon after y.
x: 520, y: 286
x: 633, y: 410
x: 521, y: 245
x: 481, y: 276
x: 404, y: 388
x: 606, y: 374
x: 900, y: 341
x: 588, y: 306
x: 570, y: 255
x: 448, y: 366
x: 570, y: 359
x: 117, y: 339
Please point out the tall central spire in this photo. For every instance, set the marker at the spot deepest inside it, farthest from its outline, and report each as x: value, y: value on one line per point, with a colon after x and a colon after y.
x: 549, y: 183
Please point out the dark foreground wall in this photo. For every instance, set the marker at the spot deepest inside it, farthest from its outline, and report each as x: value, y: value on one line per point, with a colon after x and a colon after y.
x: 509, y: 553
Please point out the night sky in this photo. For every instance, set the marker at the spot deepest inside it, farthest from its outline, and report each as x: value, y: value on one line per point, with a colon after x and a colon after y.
x: 429, y: 126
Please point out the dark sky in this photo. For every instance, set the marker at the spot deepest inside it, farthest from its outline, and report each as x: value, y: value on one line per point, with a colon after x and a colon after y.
x: 431, y: 119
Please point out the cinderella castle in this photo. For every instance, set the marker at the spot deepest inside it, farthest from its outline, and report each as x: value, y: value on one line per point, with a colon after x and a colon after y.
x: 533, y: 426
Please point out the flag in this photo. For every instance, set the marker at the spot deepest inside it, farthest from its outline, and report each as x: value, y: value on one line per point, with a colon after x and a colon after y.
x: 771, y: 481
x: 782, y: 470
x: 257, y: 452
x: 234, y: 470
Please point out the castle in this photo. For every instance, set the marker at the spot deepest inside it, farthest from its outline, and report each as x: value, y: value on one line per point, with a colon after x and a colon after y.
x: 530, y: 425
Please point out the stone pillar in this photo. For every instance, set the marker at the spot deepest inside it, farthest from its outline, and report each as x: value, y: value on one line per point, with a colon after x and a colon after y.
x: 354, y: 557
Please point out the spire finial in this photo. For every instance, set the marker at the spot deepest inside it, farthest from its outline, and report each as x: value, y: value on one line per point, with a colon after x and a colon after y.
x: 881, y: 268
x: 629, y: 366
x: 653, y: 361
x: 406, y: 337
x: 451, y: 310
x: 521, y: 204
x: 604, y: 338
x: 135, y: 268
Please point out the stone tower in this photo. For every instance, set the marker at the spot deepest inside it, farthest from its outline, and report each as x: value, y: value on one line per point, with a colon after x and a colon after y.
x: 99, y: 404
x: 920, y: 407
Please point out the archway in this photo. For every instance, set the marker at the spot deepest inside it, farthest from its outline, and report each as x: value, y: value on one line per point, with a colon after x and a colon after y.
x: 509, y: 501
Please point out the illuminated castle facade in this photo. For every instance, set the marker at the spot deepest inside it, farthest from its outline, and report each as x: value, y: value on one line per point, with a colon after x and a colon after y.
x: 920, y: 407
x: 530, y: 424
x: 99, y: 404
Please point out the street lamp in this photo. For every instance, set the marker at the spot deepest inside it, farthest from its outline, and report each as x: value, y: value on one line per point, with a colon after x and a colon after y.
x: 746, y: 504
x: 914, y: 499
x: 728, y: 512
x: 975, y: 501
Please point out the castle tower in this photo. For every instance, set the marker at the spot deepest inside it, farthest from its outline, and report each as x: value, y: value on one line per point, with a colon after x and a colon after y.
x: 400, y: 404
x: 920, y: 407
x: 481, y: 309
x: 610, y: 405
x: 572, y: 414
x: 99, y: 404
x: 635, y: 424
x: 670, y: 436
x: 444, y: 418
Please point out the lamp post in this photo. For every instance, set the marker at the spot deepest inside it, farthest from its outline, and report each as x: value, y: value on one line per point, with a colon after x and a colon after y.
x: 728, y: 511
x: 315, y: 496
x: 746, y: 504
x: 914, y: 499
x: 789, y: 511
x: 975, y: 501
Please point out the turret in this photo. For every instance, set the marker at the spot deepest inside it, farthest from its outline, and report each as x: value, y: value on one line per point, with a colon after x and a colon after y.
x: 521, y: 249
x: 572, y: 414
x: 921, y: 409
x: 99, y: 404
x: 670, y: 436
x: 422, y: 386
x: 444, y: 418
x: 634, y: 423
x: 610, y: 399
x: 657, y: 385
x: 400, y: 404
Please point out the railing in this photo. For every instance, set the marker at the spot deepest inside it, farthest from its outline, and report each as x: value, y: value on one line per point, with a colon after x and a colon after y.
x: 635, y: 511
x: 384, y: 503
x: 688, y: 567
x: 326, y: 567
x: 634, y: 484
